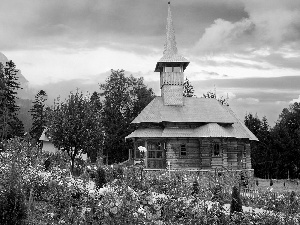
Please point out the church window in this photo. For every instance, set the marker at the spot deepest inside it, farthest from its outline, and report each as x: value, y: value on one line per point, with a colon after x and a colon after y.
x: 173, y: 69
x: 183, y: 150
x: 176, y: 69
x: 155, y: 149
x: 168, y: 69
x: 216, y: 149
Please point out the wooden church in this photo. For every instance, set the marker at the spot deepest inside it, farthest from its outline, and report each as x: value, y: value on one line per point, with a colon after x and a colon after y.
x: 188, y: 132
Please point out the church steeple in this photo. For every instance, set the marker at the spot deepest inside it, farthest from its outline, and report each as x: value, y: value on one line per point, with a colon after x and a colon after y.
x: 171, y: 67
x: 170, y: 45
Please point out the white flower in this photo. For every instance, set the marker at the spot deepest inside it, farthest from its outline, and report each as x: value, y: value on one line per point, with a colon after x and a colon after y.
x: 102, y: 191
x: 142, y: 149
x: 114, y: 210
x: 92, y: 193
x: 141, y: 210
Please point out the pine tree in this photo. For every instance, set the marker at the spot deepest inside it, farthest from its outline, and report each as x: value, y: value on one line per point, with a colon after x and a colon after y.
x: 211, y: 94
x: 10, y: 125
x: 236, y: 202
x: 94, y: 144
x: 188, y: 89
x: 38, y: 115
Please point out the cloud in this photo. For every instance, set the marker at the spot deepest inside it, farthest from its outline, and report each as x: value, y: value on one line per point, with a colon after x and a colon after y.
x: 210, y: 73
x: 250, y: 101
x: 224, y: 35
x: 295, y: 100
x: 261, y: 32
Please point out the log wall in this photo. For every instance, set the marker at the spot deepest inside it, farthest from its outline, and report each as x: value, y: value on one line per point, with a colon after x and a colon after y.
x: 234, y: 153
x: 190, y: 160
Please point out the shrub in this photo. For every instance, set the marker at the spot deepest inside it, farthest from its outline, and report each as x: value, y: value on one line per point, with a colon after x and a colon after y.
x: 12, y: 201
x: 47, y: 164
x: 236, y: 203
x: 293, y: 203
x: 217, y: 194
x: 195, y: 188
x: 100, y: 177
x: 118, y: 173
x: 12, y: 207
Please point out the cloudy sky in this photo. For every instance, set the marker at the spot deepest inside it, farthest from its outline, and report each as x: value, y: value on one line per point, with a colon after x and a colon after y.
x: 248, y: 49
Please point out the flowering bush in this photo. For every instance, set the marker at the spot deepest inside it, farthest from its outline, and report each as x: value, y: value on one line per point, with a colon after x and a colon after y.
x: 131, y: 195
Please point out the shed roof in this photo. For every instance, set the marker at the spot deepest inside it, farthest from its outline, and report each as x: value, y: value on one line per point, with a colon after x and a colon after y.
x: 205, y: 110
x: 44, y: 137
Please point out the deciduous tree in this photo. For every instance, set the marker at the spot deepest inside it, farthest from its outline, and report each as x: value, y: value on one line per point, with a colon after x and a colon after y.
x: 74, y: 125
x: 124, y: 98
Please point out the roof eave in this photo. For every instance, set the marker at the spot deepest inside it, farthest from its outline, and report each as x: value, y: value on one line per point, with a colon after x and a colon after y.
x: 159, y: 65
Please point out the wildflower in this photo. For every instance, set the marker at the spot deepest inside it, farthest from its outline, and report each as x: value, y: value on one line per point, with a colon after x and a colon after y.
x: 51, y: 215
x: 92, y: 193
x: 158, y: 213
x: 156, y: 207
x: 149, y: 216
x: 114, y: 210
x: 141, y: 210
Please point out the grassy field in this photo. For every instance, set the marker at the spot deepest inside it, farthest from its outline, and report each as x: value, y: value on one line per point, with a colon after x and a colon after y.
x: 278, y: 185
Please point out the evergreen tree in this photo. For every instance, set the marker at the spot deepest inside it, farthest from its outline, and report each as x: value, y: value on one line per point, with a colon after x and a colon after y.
x: 210, y: 94
x: 124, y: 98
x: 261, y: 154
x: 236, y: 202
x: 94, y: 144
x: 38, y: 115
x: 188, y: 89
x: 286, y: 143
x: 10, y: 125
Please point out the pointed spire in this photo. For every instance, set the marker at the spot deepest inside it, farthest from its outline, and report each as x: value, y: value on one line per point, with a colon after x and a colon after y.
x: 170, y: 45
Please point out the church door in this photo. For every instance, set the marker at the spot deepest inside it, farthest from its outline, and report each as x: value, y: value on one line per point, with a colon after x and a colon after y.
x: 156, y: 158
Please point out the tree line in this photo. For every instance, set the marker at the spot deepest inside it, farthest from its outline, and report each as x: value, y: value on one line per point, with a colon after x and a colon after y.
x: 98, y: 123
x: 95, y: 124
x: 277, y: 153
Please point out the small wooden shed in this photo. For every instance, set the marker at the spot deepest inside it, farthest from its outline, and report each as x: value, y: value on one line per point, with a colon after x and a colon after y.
x: 47, y: 145
x: 188, y: 132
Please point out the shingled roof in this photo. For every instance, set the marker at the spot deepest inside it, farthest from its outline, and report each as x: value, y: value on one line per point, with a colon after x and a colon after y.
x: 208, y: 130
x: 204, y: 110
x: 215, y: 120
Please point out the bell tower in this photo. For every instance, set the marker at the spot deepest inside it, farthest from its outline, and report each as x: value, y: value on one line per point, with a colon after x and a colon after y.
x: 171, y: 67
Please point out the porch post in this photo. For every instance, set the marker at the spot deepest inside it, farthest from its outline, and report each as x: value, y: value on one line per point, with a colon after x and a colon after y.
x: 146, y: 155
x: 224, y: 148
